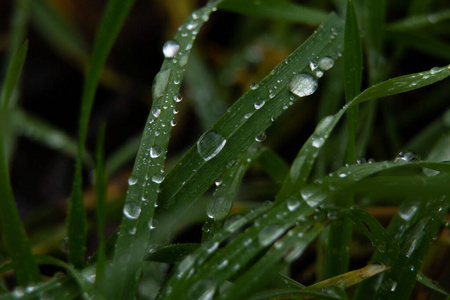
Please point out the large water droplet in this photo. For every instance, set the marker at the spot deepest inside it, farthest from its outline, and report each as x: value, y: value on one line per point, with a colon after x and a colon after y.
x: 270, y: 233
x: 254, y: 85
x: 326, y: 63
x: 406, y: 156
x: 160, y: 83
x: 261, y: 137
x: 157, y: 178
x: 155, y: 151
x: 317, y: 142
x: 132, y: 180
x: 292, y: 204
x: 258, y: 104
x: 132, y: 210
x: 210, y: 144
x: 156, y: 112
x: 170, y: 48
x: 407, y: 212
x: 303, y: 85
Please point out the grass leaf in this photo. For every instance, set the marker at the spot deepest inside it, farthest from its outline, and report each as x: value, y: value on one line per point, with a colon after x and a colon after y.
x: 12, y: 75
x: 113, y: 18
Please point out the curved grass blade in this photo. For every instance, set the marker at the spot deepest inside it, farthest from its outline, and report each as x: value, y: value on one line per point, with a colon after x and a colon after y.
x: 171, y: 254
x: 419, y: 21
x: 430, y: 284
x: 276, y: 10
x: 239, y: 126
x: 350, y: 278
x: 138, y: 222
x: 330, y: 293
x: 113, y: 18
x: 100, y: 192
x: 223, y: 198
x: 303, y: 163
x: 39, y: 130
x: 12, y: 75
x: 13, y: 233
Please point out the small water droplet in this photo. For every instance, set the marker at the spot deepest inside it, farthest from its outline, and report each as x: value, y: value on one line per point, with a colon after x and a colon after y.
x: 132, y: 210
x: 303, y: 85
x: 192, y: 25
x: 258, y: 104
x: 361, y: 161
x: 170, y: 48
x: 311, y: 195
x: 152, y: 223
x: 254, y: 85
x: 218, y: 208
x: 218, y: 181
x: 313, y: 65
x: 269, y: 234
x: 132, y: 180
x: 319, y: 73
x: 261, y: 136
x: 132, y: 230
x: 178, y: 98
x: 371, y: 161
x: 222, y: 264
x: 157, y: 178
x: 173, y: 123
x: 210, y: 144
x: 155, y: 151
x: 292, y: 204
x: 393, y: 286
x: 156, y: 112
x: 318, y: 142
x: 326, y: 63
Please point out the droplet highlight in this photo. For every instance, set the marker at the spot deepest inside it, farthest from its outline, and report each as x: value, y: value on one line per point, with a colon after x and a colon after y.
x: 170, y: 48
x: 303, y: 85
x: 210, y: 144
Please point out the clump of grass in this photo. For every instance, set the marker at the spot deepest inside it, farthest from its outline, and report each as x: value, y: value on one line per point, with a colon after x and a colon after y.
x: 321, y: 201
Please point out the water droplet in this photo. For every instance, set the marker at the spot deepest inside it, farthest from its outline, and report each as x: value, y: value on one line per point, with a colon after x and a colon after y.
x: 132, y: 210
x: 152, y: 223
x: 326, y: 63
x: 254, y: 85
x: 311, y: 195
x: 435, y: 70
x: 313, y: 65
x: 132, y: 230
x: 406, y: 213
x: 155, y: 151
x: 292, y: 204
x: 178, y: 98
x: 173, y: 123
x: 157, y: 178
x: 191, y: 25
x: 213, y: 247
x: 210, y: 144
x: 156, y: 112
x: 406, y: 156
x: 258, y: 104
x: 218, y: 181
x: 170, y: 48
x: 303, y: 85
x: 175, y: 111
x: 218, y: 208
x: 319, y: 73
x: 186, y: 264
x: 371, y: 161
x: 318, y: 142
x: 222, y: 264
x: 393, y: 286
x: 160, y: 83
x: 361, y: 161
x: 261, y: 136
x: 132, y: 180
x: 269, y: 234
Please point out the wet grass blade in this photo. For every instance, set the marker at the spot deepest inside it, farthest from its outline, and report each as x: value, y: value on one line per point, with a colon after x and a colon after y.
x: 138, y: 222
x: 239, y: 126
x: 113, y: 18
x: 276, y: 10
x: 100, y: 191
x: 14, y: 237
x: 428, y: 283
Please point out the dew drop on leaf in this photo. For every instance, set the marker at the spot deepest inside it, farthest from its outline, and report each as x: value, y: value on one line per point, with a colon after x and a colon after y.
x: 406, y: 156
x: 210, y: 144
x: 326, y: 63
x: 170, y: 48
x: 155, y: 151
x: 157, y: 178
x: 160, y: 83
x: 292, y: 204
x: 258, y: 104
x: 132, y: 210
x: 269, y: 234
x: 261, y: 137
x: 132, y: 180
x: 303, y: 85
x: 254, y: 85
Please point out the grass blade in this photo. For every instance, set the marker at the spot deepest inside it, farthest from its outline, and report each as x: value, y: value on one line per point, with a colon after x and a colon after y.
x: 276, y: 10
x: 273, y: 165
x: 428, y: 283
x: 138, y: 222
x: 239, y: 126
x: 419, y: 21
x: 100, y: 191
x: 12, y: 75
x: 113, y: 19
x: 14, y: 236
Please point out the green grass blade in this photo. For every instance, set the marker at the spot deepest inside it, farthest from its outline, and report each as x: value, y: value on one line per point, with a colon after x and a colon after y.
x: 37, y: 129
x: 333, y: 293
x: 171, y: 254
x: 113, y: 19
x: 100, y: 191
x: 374, y: 11
x: 276, y: 10
x: 419, y: 21
x: 138, y: 223
x: 428, y: 283
x: 273, y: 165
x: 239, y: 126
x: 14, y: 236
x: 12, y: 75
